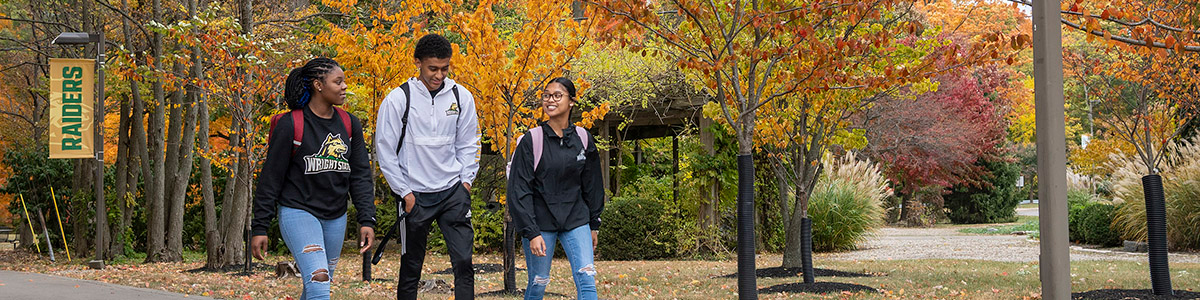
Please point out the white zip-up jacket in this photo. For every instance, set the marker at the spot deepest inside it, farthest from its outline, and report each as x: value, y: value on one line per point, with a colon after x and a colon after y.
x: 442, y: 144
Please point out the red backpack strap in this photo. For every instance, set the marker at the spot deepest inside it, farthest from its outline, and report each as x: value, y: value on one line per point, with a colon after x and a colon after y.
x: 345, y: 121
x: 274, y: 120
x: 297, y: 128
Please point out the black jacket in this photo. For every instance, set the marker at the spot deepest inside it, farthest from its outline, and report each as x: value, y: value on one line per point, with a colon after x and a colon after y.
x: 320, y: 177
x: 565, y: 192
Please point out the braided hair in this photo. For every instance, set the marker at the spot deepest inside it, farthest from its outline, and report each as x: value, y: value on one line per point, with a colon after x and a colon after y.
x: 298, y: 88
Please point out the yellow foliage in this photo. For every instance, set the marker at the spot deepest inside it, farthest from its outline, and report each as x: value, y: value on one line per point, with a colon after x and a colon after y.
x: 1096, y: 160
x: 508, y: 66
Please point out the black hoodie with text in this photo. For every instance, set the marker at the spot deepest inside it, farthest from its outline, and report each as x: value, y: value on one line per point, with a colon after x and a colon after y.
x: 329, y: 168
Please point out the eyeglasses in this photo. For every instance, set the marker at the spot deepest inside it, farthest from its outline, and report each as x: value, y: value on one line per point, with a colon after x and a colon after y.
x: 555, y: 97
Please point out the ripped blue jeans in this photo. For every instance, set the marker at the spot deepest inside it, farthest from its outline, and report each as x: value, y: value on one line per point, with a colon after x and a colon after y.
x: 316, y: 245
x: 577, y: 243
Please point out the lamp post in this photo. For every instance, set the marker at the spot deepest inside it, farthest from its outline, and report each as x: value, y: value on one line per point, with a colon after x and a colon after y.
x: 84, y: 38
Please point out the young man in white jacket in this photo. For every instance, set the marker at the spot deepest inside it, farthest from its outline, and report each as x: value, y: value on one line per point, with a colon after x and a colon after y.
x: 427, y: 136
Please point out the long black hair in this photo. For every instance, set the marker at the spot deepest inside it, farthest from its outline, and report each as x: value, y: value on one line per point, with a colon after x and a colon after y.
x: 298, y: 88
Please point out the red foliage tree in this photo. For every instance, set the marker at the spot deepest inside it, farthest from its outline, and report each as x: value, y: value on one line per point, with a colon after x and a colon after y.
x: 935, y: 140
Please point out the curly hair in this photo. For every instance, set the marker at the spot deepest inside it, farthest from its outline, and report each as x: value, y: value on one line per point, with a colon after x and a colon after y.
x: 433, y: 45
x: 298, y: 87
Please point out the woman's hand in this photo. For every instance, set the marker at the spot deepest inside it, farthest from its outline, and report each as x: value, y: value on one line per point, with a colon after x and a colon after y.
x: 595, y: 240
x: 366, y: 238
x: 258, y: 246
x: 538, y: 246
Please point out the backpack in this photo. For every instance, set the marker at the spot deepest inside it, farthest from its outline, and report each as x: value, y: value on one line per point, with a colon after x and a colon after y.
x: 298, y: 125
x: 538, y: 145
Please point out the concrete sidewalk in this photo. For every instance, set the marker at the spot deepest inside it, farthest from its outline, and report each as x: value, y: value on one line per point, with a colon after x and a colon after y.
x: 32, y: 286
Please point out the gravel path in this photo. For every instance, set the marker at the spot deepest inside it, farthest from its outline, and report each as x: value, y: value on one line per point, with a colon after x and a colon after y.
x: 947, y: 243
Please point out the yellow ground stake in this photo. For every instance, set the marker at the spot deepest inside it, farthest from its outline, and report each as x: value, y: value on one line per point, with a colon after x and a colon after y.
x: 30, y: 222
x: 60, y: 227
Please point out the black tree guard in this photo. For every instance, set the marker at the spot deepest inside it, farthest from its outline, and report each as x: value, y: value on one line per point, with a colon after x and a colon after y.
x: 1156, y: 229
x: 806, y: 250
x: 747, y: 283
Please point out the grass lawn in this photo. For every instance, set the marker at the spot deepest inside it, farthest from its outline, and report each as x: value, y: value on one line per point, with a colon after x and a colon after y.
x: 1029, y: 227
x: 905, y: 279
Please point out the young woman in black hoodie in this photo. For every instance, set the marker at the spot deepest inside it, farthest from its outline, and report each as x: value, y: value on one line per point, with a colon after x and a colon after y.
x: 557, y: 194
x: 316, y: 162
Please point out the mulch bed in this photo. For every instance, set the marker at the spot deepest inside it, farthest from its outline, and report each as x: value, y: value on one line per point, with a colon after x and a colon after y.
x: 817, y: 288
x: 1115, y: 294
x: 517, y: 293
x: 781, y: 272
x: 479, y: 269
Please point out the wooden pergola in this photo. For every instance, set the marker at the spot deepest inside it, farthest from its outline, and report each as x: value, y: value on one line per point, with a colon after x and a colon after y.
x: 666, y: 118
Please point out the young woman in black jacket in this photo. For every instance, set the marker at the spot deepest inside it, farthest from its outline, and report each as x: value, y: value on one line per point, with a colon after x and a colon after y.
x: 316, y: 162
x: 556, y: 193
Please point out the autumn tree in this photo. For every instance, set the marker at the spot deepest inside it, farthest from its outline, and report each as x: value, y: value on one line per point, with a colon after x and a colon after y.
x: 802, y: 55
x: 940, y: 138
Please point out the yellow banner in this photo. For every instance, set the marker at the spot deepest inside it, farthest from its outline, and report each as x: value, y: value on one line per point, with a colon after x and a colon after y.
x: 71, y: 102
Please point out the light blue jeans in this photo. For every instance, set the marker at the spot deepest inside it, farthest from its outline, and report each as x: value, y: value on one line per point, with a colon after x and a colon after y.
x: 316, y: 245
x: 578, y: 245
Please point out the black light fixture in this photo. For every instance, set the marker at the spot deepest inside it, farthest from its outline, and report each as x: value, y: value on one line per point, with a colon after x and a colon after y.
x: 75, y: 38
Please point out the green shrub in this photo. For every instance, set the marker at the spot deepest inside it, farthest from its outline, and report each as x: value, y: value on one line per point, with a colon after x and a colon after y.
x: 633, y: 230
x: 1096, y: 225
x: 841, y: 217
x: 1077, y: 199
x: 996, y: 202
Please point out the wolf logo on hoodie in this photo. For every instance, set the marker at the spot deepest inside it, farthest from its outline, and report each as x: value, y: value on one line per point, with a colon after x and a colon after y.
x: 331, y: 157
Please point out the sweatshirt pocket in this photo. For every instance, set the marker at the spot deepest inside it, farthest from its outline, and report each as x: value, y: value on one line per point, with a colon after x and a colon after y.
x: 561, y: 204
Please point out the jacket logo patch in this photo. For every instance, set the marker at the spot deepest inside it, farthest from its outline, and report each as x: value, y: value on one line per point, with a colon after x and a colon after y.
x: 453, y: 111
x: 581, y: 155
x: 331, y: 157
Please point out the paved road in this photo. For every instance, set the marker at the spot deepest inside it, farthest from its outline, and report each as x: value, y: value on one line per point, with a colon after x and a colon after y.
x: 31, y: 286
x: 893, y: 243
x: 1032, y: 211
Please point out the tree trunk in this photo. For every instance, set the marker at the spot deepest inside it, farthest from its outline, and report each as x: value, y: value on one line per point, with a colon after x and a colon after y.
x: 171, y: 177
x: 791, y: 232
x: 236, y: 207
x: 138, y: 131
x: 122, y: 174
x: 212, y: 234
x: 26, y: 236
x: 183, y: 170
x: 510, y: 255
x: 156, y: 183
x: 711, y: 199
x: 77, y: 208
x: 230, y: 230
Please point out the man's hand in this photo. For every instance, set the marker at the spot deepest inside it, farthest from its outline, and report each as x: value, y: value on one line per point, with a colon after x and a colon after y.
x: 409, y: 201
x: 468, y: 186
x: 366, y: 238
x: 258, y: 246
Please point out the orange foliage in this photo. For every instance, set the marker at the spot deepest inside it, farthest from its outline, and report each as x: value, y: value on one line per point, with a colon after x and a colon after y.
x: 508, y: 70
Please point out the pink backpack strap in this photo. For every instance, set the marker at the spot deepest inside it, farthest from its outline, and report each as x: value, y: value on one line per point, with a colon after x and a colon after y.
x: 538, y: 138
x: 583, y: 136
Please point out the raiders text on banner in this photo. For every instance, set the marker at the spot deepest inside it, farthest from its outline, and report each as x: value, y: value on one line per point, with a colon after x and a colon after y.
x: 71, y: 100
